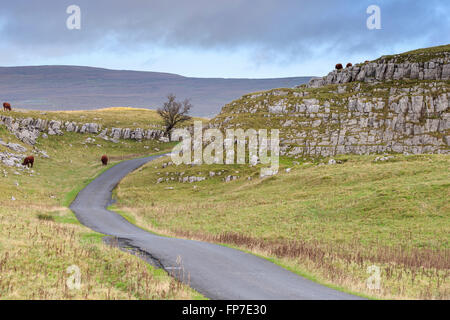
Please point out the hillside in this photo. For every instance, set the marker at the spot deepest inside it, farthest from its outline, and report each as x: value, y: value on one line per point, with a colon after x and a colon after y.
x: 329, y: 220
x: 422, y: 64
x: 304, y: 218
x: 394, y: 104
x: 40, y: 238
x: 79, y: 88
x: 329, y: 223
x: 336, y: 208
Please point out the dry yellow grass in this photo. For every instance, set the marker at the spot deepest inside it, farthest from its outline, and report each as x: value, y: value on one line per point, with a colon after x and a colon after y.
x: 36, y: 254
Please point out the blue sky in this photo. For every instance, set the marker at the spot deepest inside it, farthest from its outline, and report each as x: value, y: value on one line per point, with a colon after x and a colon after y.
x: 216, y: 38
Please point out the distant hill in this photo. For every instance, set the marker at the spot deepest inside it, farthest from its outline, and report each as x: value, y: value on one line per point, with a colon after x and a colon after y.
x: 75, y: 88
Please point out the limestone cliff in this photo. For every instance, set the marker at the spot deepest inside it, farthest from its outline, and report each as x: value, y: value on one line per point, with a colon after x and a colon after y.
x: 423, y: 64
x: 395, y: 104
x: 29, y: 129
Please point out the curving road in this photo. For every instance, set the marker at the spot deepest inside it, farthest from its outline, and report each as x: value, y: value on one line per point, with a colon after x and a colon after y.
x: 218, y: 272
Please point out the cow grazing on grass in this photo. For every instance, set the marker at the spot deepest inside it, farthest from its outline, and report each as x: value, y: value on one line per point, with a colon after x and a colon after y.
x: 28, y: 161
x: 105, y: 160
x: 349, y: 65
x: 6, y: 106
x: 339, y: 66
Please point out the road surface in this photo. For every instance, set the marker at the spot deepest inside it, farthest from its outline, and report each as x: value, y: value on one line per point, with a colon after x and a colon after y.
x: 216, y: 271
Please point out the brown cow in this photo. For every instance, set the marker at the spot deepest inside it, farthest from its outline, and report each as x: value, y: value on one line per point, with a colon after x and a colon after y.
x: 28, y: 161
x: 339, y: 66
x: 105, y: 160
x: 6, y: 106
x: 349, y: 65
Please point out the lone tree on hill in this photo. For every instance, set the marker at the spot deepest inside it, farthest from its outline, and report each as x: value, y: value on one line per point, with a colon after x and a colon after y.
x: 174, y: 112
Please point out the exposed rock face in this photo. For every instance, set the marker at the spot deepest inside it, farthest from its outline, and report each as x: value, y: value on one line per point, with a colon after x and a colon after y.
x: 90, y: 128
x: 393, y: 68
x: 54, y: 128
x: 11, y: 159
x: 355, y: 118
x: 230, y: 178
x: 397, y: 104
x: 191, y: 179
x: 16, y: 147
x: 29, y: 129
x: 15, y: 159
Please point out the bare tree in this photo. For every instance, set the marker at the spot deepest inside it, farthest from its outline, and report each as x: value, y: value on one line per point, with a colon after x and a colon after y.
x: 174, y: 112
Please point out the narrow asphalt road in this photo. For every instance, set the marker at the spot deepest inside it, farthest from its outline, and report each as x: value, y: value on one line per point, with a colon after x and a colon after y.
x: 216, y: 271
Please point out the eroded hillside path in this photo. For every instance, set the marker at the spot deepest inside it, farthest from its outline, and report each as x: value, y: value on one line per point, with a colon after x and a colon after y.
x: 216, y: 271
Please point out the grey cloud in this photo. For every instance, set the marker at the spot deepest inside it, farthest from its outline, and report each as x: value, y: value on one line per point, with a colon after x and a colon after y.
x: 276, y: 30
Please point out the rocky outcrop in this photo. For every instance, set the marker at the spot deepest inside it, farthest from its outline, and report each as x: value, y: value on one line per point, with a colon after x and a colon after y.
x: 14, y: 146
x: 10, y: 159
x: 355, y: 118
x: 392, y: 68
x: 395, y: 104
x: 29, y: 129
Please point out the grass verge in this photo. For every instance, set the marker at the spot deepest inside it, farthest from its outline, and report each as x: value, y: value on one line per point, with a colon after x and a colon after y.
x: 330, y: 222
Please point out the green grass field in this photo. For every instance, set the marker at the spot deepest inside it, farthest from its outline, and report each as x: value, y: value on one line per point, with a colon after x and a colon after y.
x: 328, y: 222
x: 40, y: 237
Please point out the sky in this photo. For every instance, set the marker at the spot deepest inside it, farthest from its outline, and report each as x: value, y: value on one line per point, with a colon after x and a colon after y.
x: 217, y: 38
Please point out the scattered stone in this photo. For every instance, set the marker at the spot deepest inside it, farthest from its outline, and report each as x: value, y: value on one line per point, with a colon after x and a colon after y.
x: 43, y: 154
x: 191, y: 179
x: 267, y: 172
x: 230, y: 178
x: 383, y: 158
x: 29, y: 129
x: 16, y: 147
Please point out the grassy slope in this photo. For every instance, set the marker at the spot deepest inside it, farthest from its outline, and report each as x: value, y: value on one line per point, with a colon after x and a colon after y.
x: 327, y: 222
x: 419, y: 55
x: 40, y: 237
x: 122, y: 117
